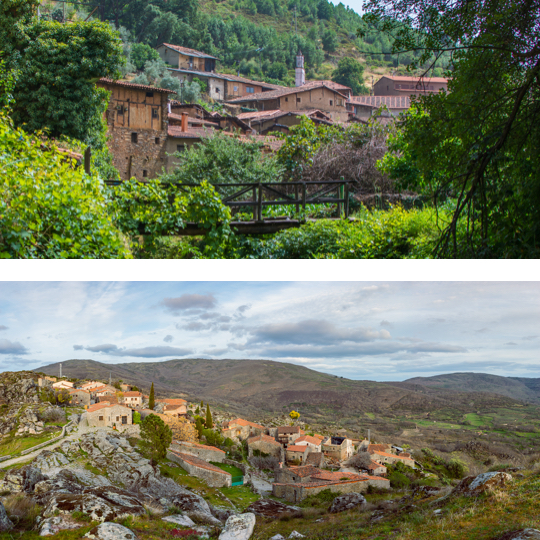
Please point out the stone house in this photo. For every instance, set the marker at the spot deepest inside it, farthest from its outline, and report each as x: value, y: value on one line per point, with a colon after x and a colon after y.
x: 377, y: 469
x: 287, y: 434
x: 264, y: 122
x: 103, y: 390
x: 315, y: 459
x: 106, y: 398
x: 185, y: 58
x: 307, y: 440
x: 63, y: 384
x: 137, y: 121
x: 212, y: 475
x: 297, y: 453
x: 174, y: 407
x: 132, y: 399
x: 90, y: 385
x: 339, y: 448
x: 240, y: 429
x: 125, y: 387
x: 107, y: 415
x: 364, y: 107
x: 264, y: 445
x: 389, y: 85
x: 385, y: 457
x: 318, y: 95
x: 79, y: 397
x: 202, y: 451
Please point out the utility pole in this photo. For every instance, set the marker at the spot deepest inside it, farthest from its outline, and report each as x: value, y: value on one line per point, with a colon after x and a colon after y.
x: 60, y: 371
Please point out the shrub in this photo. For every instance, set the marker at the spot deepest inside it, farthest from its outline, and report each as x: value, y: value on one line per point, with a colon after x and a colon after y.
x: 52, y: 414
x: 398, y: 480
x: 80, y: 516
x: 22, y: 510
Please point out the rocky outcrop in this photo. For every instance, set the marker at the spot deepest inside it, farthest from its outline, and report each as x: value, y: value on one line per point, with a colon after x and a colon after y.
x: 179, y: 519
x: 19, y: 387
x: 110, y: 531
x: 53, y: 525
x: 270, y: 508
x: 195, y: 507
x: 238, y: 527
x: 296, y: 534
x: 522, y: 534
x: 23, y: 479
x: 473, y: 485
x: 347, y: 502
x: 5, y: 523
x: 49, y: 459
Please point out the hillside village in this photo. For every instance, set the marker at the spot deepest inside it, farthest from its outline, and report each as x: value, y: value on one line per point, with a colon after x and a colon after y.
x: 239, y: 479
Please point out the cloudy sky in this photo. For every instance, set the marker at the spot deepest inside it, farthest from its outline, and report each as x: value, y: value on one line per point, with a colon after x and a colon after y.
x: 360, y: 330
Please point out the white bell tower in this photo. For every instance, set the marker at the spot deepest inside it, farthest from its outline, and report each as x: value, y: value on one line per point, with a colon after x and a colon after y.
x: 300, y: 74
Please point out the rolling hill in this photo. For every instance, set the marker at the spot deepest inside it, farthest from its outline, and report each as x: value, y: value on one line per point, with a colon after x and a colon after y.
x: 262, y: 385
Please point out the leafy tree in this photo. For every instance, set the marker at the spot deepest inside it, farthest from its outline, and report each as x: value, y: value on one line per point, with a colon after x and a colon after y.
x: 136, y: 417
x: 199, y: 426
x: 183, y: 430
x: 294, y: 415
x: 197, y: 410
x: 325, y: 10
x: 209, y: 421
x: 142, y: 53
x: 329, y: 40
x: 213, y: 437
x: 151, y: 400
x: 478, y: 145
x: 156, y: 437
x: 350, y: 72
x: 277, y: 70
x: 63, y: 396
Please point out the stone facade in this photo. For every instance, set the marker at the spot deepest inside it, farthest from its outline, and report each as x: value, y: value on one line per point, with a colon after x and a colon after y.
x: 408, y: 86
x: 107, y: 415
x: 202, y: 451
x: 79, y: 397
x: 137, y: 120
x: 132, y: 399
x: 265, y: 445
x: 297, y: 492
x: 240, y: 429
x: 339, y: 448
x: 385, y: 457
x: 212, y: 475
x: 297, y: 453
x: 287, y: 434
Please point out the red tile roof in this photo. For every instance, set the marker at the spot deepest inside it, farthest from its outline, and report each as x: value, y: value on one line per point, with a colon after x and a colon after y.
x: 336, y: 476
x: 241, y: 422
x: 192, y: 460
x: 386, y: 454
x: 308, y: 439
x: 278, y: 113
x: 191, y: 120
x: 188, y: 52
x: 273, y: 94
x: 377, y: 448
x: 262, y: 437
x: 295, y: 448
x: 282, y: 430
x: 304, y: 471
x: 374, y: 465
x: 175, y: 401
x: 192, y: 133
x: 424, y: 80
x: 132, y: 394
x: 78, y: 390
x: 127, y: 84
x: 198, y: 445
x: 98, y: 406
x: 392, y: 102
x: 330, y: 84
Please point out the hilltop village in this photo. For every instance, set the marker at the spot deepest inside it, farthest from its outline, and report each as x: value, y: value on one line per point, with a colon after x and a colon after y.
x: 76, y: 461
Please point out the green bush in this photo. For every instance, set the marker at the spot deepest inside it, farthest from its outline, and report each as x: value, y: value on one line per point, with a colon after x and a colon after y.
x: 398, y: 480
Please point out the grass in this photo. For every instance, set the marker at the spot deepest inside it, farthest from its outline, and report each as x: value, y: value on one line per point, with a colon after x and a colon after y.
x: 235, y: 471
x: 240, y: 496
x: 15, y: 445
x: 478, y: 421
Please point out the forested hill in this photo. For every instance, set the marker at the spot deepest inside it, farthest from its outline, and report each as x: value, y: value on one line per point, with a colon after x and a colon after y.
x: 258, y: 38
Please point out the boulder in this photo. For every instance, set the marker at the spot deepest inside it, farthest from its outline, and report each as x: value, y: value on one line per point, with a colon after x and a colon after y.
x: 49, y: 460
x: 110, y: 531
x: 472, y: 485
x: 179, y: 519
x: 23, y: 479
x: 5, y: 523
x: 238, y: 527
x: 53, y: 525
x: 195, y: 507
x: 296, y: 534
x: 123, y: 501
x: 522, y: 534
x: 270, y: 508
x: 277, y: 537
x: 347, y: 502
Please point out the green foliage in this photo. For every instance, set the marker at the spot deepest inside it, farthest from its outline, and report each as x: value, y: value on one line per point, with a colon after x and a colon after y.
x: 350, y: 72
x: 398, y: 480
x: 156, y: 436
x: 136, y: 417
x: 213, y: 437
x: 142, y: 53
x: 48, y: 208
x: 151, y: 398
x: 478, y: 144
x: 199, y: 426
x: 209, y: 421
x: 329, y: 40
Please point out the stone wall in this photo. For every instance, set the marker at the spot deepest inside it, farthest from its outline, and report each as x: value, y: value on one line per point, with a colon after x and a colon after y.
x: 297, y: 492
x: 212, y: 475
x: 208, y: 453
x: 270, y: 448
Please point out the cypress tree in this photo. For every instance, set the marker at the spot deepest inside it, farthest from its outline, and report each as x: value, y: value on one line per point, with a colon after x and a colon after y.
x: 209, y: 422
x: 199, y: 427
x: 202, y: 404
x: 151, y: 400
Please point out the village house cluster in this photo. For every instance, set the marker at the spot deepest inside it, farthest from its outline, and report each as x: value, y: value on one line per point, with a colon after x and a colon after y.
x: 306, y: 462
x: 147, y: 129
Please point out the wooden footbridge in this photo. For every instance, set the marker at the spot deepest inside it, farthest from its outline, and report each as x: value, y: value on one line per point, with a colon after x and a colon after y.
x: 254, y: 197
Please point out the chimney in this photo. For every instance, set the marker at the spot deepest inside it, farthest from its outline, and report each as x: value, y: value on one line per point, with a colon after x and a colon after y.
x: 184, y: 122
x: 300, y: 75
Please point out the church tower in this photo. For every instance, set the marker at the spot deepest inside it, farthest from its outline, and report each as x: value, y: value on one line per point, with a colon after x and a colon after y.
x: 300, y: 78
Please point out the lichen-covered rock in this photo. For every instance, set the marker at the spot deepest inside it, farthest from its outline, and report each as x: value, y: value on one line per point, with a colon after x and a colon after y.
x: 110, y: 531
x: 347, y: 502
x: 238, y: 527
x: 195, y: 507
x: 5, y: 523
x: 296, y: 534
x: 277, y: 537
x: 179, y: 519
x: 472, y: 485
x: 270, y: 508
x: 23, y: 479
x: 48, y: 460
x: 53, y: 525
x: 522, y: 534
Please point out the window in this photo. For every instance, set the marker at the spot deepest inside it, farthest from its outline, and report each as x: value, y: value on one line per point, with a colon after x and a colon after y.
x: 155, y: 113
x: 120, y: 109
x: 298, y: 100
x: 157, y: 140
x: 118, y: 419
x: 133, y: 137
x: 286, y: 99
x: 100, y: 418
x: 180, y: 147
x: 149, y: 94
x: 331, y: 103
x: 250, y: 89
x: 217, y: 89
x: 235, y: 88
x: 144, y: 175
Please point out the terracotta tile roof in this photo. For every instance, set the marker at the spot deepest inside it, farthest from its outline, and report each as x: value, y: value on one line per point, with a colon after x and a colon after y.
x: 132, y: 394
x: 374, y: 465
x: 127, y: 84
x: 392, y: 102
x: 295, y: 448
x: 304, y: 471
x: 198, y: 445
x: 262, y: 437
x: 242, y: 422
x: 78, y: 390
x: 337, y: 476
x: 282, y: 430
x: 308, y: 439
x: 191, y: 120
x: 386, y: 454
x: 192, y: 460
x: 237, y: 78
x: 187, y: 51
x: 328, y: 83
x: 377, y: 448
x: 98, y: 406
x: 175, y: 401
x: 192, y: 133
x: 402, y: 78
x: 273, y: 94
x: 278, y: 113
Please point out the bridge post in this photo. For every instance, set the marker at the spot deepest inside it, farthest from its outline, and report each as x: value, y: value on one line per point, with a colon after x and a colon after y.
x: 347, y: 200
x: 254, y: 201
x: 340, y: 197
x: 304, y: 196
x: 259, y: 206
